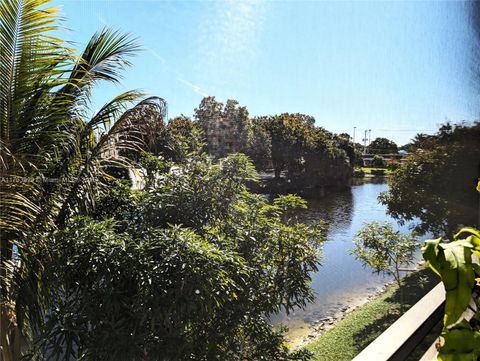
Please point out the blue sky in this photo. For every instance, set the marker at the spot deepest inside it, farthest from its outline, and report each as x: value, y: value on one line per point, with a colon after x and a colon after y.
x: 394, y: 67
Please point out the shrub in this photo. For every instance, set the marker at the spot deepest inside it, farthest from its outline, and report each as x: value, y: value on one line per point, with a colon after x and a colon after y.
x: 378, y: 162
x: 187, y: 269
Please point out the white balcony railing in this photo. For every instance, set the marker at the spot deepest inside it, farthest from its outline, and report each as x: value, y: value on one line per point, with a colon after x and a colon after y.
x: 398, y: 341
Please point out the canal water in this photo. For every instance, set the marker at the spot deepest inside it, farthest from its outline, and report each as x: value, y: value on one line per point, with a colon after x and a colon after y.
x: 341, y: 281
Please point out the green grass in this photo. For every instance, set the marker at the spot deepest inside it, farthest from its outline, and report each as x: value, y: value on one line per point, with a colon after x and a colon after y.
x: 368, y: 170
x: 362, y: 326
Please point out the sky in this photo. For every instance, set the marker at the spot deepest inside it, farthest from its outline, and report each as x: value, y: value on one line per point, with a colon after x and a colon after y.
x: 395, y: 67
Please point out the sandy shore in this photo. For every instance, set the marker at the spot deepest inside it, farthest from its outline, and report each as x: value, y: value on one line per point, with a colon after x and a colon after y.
x: 301, y: 333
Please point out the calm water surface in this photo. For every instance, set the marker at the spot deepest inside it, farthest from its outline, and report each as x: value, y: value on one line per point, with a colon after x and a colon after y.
x: 341, y: 280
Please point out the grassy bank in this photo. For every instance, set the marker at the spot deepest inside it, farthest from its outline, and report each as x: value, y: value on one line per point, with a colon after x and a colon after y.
x: 362, y: 326
x: 369, y: 170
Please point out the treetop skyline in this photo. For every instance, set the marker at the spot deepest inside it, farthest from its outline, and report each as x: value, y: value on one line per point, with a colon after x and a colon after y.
x: 398, y: 68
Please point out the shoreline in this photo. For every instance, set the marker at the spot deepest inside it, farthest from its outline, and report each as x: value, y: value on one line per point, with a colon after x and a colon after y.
x: 301, y: 336
x: 307, y: 332
x: 360, y: 327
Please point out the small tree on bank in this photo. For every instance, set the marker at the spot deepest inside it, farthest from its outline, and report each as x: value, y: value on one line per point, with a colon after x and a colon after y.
x: 384, y: 250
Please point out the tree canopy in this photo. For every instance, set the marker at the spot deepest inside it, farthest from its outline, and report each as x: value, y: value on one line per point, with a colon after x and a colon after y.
x: 383, y: 249
x: 382, y: 146
x: 189, y: 268
x: 225, y: 126
x: 436, y: 185
x: 291, y: 144
x: 307, y: 153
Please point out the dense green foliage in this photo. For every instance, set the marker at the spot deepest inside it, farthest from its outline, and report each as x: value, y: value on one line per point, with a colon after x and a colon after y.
x: 384, y: 250
x: 309, y: 155
x: 378, y: 162
x: 452, y: 261
x: 394, y: 166
x: 382, y: 146
x: 259, y: 146
x: 291, y: 144
x: 436, y: 184
x: 176, y: 140
x: 187, y: 269
x: 225, y: 126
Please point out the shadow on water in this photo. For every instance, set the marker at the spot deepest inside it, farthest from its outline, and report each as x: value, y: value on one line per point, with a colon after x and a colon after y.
x: 336, y: 209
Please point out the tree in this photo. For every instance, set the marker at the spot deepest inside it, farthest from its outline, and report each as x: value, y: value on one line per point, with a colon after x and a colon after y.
x: 259, y: 145
x: 189, y: 268
x: 177, y: 139
x: 382, y: 146
x: 384, y: 250
x: 309, y: 155
x: 378, y: 162
x: 435, y: 184
x: 54, y: 157
x: 291, y: 135
x: 344, y: 142
x: 358, y: 154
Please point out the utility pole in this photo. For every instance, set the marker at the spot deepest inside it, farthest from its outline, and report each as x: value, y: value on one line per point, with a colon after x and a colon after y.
x: 354, y: 134
x: 369, y: 134
x: 365, y: 142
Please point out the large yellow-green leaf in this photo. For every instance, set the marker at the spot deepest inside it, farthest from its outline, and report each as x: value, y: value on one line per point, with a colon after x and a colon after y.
x: 462, y: 343
x: 430, y: 254
x: 471, y: 235
x: 458, y: 278
x: 453, y: 262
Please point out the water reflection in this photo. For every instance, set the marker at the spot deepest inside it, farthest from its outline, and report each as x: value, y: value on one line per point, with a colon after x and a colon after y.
x: 337, y: 210
x: 341, y: 280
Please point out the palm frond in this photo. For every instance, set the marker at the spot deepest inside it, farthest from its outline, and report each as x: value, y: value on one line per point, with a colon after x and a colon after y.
x: 104, y: 58
x: 111, y: 111
x: 32, y: 62
x: 113, y: 149
x: 17, y: 210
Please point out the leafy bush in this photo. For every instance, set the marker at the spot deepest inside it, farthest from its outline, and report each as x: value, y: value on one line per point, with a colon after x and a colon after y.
x: 382, y: 146
x: 188, y: 269
x: 384, y: 250
x: 393, y: 166
x: 378, y: 161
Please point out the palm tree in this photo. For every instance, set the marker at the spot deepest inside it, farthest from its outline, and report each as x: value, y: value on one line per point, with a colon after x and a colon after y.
x: 53, y: 156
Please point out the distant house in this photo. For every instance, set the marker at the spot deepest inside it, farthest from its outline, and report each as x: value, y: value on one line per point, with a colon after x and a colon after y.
x: 223, y: 126
x: 222, y: 136
x: 389, y: 158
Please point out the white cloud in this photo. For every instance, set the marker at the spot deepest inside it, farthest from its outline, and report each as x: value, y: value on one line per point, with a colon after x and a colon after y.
x: 178, y: 76
x: 192, y: 86
x: 157, y: 56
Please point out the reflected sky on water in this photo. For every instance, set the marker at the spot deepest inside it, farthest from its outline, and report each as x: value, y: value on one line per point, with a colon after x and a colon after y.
x: 341, y: 280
